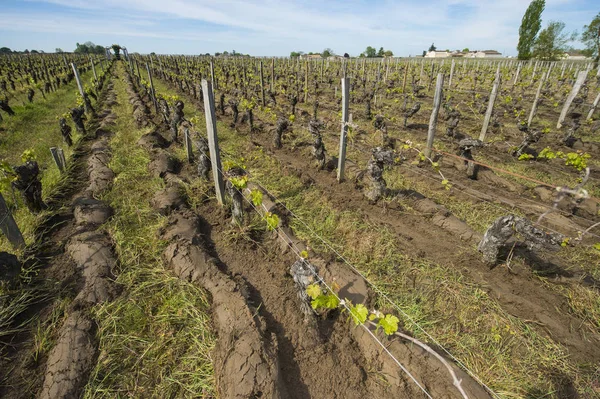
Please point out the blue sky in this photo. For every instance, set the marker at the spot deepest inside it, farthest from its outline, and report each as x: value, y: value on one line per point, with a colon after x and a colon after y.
x: 270, y: 27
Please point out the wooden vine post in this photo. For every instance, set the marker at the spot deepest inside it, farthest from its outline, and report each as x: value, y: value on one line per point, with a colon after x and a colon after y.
x: 9, y: 226
x: 188, y: 145
x: 594, y: 105
x: 262, y: 84
x: 213, y: 143
x: 451, y: 75
x: 273, y: 75
x: 344, y: 131
x: 405, y: 74
x: 537, y: 97
x: 152, y: 91
x: 488, y: 114
x: 517, y: 74
x: 94, y: 69
x: 57, y: 159
x: 437, y: 101
x: 61, y: 155
x: 137, y: 67
x: 576, y: 87
x: 212, y: 74
x: 306, y: 83
x: 80, y: 86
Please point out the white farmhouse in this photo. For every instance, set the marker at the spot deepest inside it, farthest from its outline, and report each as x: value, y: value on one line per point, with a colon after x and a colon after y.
x: 484, y: 54
x: 437, y: 54
x: 575, y: 56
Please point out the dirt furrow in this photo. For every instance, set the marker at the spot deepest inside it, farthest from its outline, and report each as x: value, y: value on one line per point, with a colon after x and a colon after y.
x: 74, y: 354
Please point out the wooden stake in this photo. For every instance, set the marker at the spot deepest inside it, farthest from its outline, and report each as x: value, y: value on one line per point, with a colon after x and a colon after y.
x: 437, y: 100
x: 576, y: 87
x: 404, y: 80
x: 212, y: 74
x: 78, y: 79
x: 80, y: 86
x: 94, y: 69
x: 152, y: 91
x: 517, y: 74
x: 537, y: 97
x: 188, y: 145
x: 306, y: 83
x: 61, y: 155
x: 9, y: 227
x: 344, y: 130
x: 262, y: 84
x: 273, y: 75
x: 213, y: 143
x: 594, y: 106
x: 451, y: 74
x: 488, y: 114
x: 57, y: 159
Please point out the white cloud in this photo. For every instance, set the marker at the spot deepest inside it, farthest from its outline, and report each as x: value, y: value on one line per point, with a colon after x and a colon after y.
x: 272, y: 27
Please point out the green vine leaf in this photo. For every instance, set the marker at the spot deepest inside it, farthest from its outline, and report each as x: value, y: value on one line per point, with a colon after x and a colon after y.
x: 313, y: 291
x: 359, y: 313
x: 239, y: 182
x: 272, y: 220
x: 256, y: 196
x: 28, y: 155
x: 329, y: 301
x: 389, y: 323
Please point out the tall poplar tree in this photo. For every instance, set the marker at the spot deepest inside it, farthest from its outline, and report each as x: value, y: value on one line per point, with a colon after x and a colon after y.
x: 530, y: 26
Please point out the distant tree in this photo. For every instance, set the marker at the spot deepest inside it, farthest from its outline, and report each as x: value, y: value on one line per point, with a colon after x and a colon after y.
x: 88, y: 48
x: 381, y: 52
x: 361, y: 55
x: 591, y: 38
x: 530, y: 26
x: 552, y: 43
x: 327, y: 52
x: 26, y: 51
x: 432, y: 47
x: 346, y: 55
x: 34, y: 52
x: 465, y: 50
x: 58, y: 50
x: 225, y: 52
x: 217, y: 54
x: 5, y: 50
x: 370, y: 52
x: 117, y: 49
x: 294, y: 54
x: 388, y: 53
x: 424, y: 53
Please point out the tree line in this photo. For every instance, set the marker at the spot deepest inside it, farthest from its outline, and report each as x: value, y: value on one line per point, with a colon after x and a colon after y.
x: 370, y: 52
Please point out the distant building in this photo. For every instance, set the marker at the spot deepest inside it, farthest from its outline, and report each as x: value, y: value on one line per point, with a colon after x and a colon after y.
x: 310, y: 56
x: 484, y: 54
x: 437, y: 54
x: 575, y: 56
